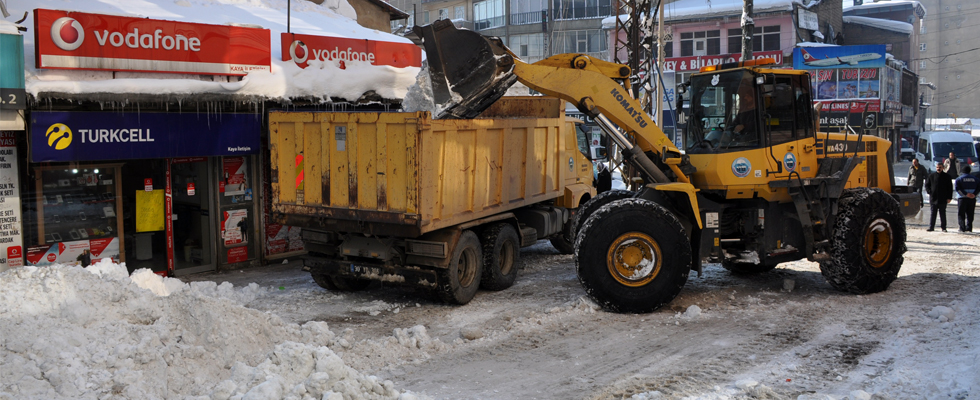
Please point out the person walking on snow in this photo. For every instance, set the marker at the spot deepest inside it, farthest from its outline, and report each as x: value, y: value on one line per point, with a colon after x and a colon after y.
x: 917, y: 177
x: 940, y: 188
x: 967, y: 187
x: 950, y: 165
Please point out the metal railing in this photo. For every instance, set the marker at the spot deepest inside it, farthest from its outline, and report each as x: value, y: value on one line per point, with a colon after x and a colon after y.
x: 600, y: 11
x: 526, y: 18
x: 489, y: 23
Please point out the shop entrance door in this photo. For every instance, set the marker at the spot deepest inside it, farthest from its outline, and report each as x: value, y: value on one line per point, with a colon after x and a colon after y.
x: 193, y: 230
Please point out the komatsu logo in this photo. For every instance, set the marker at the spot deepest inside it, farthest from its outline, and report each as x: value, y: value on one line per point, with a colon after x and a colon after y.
x: 636, y: 114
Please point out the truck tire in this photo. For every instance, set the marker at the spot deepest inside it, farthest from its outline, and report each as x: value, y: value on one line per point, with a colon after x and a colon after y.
x: 868, y: 242
x: 566, y: 243
x: 324, y: 281
x: 632, y: 256
x: 501, y: 257
x: 459, y: 282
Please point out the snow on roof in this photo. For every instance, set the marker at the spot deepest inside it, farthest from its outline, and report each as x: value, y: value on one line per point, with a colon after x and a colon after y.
x: 815, y: 44
x: 870, y: 5
x: 683, y: 9
x: 886, y: 24
x: 321, y: 80
x: 8, y: 27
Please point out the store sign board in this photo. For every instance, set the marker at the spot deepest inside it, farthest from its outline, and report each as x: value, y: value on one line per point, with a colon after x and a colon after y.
x: 808, y: 20
x: 11, y: 239
x: 12, y: 93
x: 838, y: 114
x: 301, y: 49
x: 687, y: 64
x: 93, y: 136
x: 77, y: 40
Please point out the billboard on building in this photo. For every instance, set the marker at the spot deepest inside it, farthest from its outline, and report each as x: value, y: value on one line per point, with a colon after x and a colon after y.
x: 77, y: 40
x: 847, y: 81
x: 301, y: 49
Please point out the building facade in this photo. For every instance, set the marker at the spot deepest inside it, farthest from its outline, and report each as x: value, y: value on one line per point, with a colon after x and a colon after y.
x: 948, y: 59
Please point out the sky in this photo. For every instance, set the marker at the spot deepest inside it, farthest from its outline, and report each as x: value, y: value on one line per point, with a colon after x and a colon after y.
x: 322, y: 80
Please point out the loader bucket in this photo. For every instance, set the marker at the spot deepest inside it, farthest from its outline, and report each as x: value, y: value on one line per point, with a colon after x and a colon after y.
x: 468, y: 71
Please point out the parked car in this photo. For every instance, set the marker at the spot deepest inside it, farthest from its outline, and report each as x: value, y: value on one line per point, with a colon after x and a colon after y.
x: 907, y: 153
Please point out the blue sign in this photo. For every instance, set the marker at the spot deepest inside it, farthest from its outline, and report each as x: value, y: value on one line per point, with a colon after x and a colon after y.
x: 741, y: 167
x: 833, y: 57
x: 94, y: 136
x: 12, y: 93
x: 789, y: 160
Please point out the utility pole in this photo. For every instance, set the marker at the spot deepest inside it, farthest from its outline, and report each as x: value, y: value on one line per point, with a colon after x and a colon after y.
x: 748, y: 30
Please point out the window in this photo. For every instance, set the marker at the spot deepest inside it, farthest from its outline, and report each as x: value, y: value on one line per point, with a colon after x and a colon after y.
x: 460, y: 12
x: 583, y: 41
x: 922, y: 64
x: 705, y: 43
x: 668, y: 49
x: 443, y: 13
x: 922, y: 47
x: 922, y: 29
x: 766, y: 38
x: 488, y: 14
x: 425, y: 17
x: 524, y: 12
x: 573, y: 9
x: 530, y: 48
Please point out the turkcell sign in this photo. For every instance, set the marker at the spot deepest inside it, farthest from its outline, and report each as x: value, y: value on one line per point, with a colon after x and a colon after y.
x: 94, y: 136
x: 77, y: 40
x: 301, y: 49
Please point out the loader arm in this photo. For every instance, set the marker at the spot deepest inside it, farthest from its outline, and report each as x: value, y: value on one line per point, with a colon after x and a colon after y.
x: 469, y: 71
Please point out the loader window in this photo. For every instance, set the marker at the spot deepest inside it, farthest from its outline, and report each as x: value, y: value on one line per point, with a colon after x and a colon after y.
x: 724, y: 113
x: 786, y: 111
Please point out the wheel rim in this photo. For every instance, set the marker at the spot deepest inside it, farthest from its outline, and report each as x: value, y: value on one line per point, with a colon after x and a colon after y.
x: 506, y: 257
x: 466, y: 267
x: 878, y: 243
x: 634, y: 259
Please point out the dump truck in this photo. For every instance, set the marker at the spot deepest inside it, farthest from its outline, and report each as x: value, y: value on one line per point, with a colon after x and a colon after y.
x: 755, y: 183
x: 440, y: 204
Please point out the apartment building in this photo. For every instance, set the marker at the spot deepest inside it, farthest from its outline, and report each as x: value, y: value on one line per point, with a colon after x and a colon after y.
x: 948, y: 57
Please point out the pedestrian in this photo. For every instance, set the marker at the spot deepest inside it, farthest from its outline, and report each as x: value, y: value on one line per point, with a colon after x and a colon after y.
x: 967, y: 187
x: 950, y: 165
x: 917, y: 177
x: 940, y: 189
x: 85, y: 259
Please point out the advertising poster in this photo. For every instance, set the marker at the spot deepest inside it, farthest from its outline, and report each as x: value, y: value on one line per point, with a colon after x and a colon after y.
x: 11, y: 241
x: 282, y: 239
x: 234, y: 227
x: 68, y: 252
x: 234, y: 180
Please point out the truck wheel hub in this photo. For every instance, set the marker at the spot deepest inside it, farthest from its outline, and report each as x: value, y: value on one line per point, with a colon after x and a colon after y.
x: 878, y: 243
x: 634, y: 259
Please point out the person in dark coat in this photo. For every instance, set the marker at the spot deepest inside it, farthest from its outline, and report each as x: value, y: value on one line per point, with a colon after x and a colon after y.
x: 951, y: 165
x: 967, y: 187
x: 940, y: 188
x: 84, y: 259
x: 917, y: 177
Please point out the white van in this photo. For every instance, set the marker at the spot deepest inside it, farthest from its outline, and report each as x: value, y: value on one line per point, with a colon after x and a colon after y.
x: 934, y: 146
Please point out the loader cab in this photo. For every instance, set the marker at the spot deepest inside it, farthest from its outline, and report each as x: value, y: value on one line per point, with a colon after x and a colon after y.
x: 741, y: 109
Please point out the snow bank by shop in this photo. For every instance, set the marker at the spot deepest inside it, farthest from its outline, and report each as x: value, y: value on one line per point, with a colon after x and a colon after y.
x: 75, y: 333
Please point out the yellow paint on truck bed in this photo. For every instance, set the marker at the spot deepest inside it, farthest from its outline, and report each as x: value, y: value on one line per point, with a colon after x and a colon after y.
x: 408, y: 169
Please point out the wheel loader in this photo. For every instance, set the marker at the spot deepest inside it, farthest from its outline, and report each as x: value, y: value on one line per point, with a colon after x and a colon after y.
x: 755, y: 183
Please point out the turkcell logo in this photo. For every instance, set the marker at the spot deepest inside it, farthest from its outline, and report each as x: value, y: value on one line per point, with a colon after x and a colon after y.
x: 741, y: 167
x: 789, y: 160
x: 58, y: 136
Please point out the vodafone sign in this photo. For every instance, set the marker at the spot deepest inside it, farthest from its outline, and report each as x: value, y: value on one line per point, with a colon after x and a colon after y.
x: 75, y: 40
x: 303, y: 48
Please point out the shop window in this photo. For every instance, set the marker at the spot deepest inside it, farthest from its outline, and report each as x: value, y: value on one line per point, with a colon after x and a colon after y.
x: 79, y: 212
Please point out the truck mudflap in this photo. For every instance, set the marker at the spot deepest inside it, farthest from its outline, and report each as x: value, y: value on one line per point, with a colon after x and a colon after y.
x: 909, y: 200
x: 400, y: 275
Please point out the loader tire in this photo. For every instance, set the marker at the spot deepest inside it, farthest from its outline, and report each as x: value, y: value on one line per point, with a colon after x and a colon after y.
x: 587, y: 209
x: 868, y: 242
x: 501, y: 256
x: 459, y: 282
x: 632, y: 256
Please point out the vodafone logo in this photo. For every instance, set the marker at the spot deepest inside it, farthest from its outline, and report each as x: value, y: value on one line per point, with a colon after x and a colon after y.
x: 67, y: 33
x: 298, y: 52
x: 52, y: 257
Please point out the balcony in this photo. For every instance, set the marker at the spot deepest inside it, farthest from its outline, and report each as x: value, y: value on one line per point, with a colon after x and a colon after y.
x: 600, y: 11
x: 494, y: 22
x: 527, y: 18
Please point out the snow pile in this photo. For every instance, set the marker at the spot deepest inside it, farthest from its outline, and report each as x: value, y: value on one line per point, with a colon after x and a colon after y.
x: 320, y: 80
x: 70, y: 332
x: 888, y: 25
